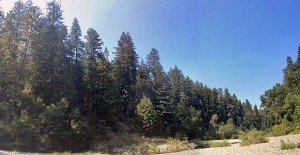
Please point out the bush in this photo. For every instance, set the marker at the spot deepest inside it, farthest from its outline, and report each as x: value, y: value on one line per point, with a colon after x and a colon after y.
x: 253, y: 137
x: 226, y: 131
x: 173, y: 141
x: 223, y: 143
x: 210, y: 133
x: 24, y: 133
x: 296, y: 130
x: 282, y: 129
x: 288, y: 145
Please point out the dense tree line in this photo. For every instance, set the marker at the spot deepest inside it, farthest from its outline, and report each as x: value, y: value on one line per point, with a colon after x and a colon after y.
x: 281, y: 104
x: 56, y: 88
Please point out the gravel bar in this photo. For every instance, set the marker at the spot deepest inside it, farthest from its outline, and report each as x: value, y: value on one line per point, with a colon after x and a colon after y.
x: 270, y: 148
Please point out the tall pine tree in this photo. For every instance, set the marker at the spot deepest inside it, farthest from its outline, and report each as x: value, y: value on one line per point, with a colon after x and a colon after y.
x: 76, y: 48
x: 125, y: 70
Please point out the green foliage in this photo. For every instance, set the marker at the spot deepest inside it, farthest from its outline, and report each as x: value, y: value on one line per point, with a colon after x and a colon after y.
x: 256, y: 118
x: 125, y: 72
x: 214, y: 120
x: 223, y: 143
x: 25, y: 135
x: 226, y: 131
x: 282, y: 129
x: 252, y: 137
x: 174, y: 141
x: 210, y: 143
x: 288, y: 145
x: 291, y: 108
x: 283, y: 101
x: 190, y: 120
x: 146, y: 111
x: 144, y: 83
x: 52, y: 124
x: 267, y: 120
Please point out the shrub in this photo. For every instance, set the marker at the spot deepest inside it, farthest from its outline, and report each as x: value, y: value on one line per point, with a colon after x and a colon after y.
x: 223, y: 143
x: 226, y: 131
x: 288, y: 145
x: 210, y: 133
x: 253, y: 137
x: 296, y: 130
x: 284, y: 128
x: 173, y: 141
x: 24, y: 133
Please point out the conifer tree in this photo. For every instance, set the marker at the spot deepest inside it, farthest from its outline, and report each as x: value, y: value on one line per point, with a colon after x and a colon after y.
x: 143, y: 84
x: 10, y: 87
x: 50, y: 62
x: 146, y: 111
x: 125, y: 69
x: 76, y: 48
x: 256, y: 118
x: 248, y: 115
x: 176, y: 79
x: 162, y: 87
x: 92, y: 55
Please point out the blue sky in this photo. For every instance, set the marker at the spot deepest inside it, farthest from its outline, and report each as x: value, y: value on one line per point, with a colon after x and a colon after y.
x: 240, y: 45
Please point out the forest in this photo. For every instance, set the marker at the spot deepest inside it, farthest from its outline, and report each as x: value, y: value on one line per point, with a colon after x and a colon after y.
x: 59, y: 90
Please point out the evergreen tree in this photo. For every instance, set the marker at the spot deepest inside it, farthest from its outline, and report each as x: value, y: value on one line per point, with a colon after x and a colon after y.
x: 106, y: 91
x: 256, y: 118
x: 187, y: 92
x: 76, y: 48
x: 100, y: 88
x: 50, y: 67
x: 146, y: 111
x: 298, y: 55
x: 92, y: 55
x: 248, y: 115
x: 215, y: 101
x: 125, y: 69
x: 206, y: 104
x: 76, y: 45
x: 227, y: 102
x: 12, y: 58
x: 143, y: 84
x: 10, y: 87
x: 222, y: 106
x: 164, y: 105
x: 189, y: 119
x: 162, y: 87
x: 1, y: 20
x: 176, y: 78
x: 153, y: 63
x: 267, y: 120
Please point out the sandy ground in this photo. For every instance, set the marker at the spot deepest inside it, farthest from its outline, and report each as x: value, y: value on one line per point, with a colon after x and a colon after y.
x: 270, y: 148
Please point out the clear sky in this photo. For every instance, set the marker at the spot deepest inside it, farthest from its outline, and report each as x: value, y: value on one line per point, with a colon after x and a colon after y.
x: 235, y: 44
